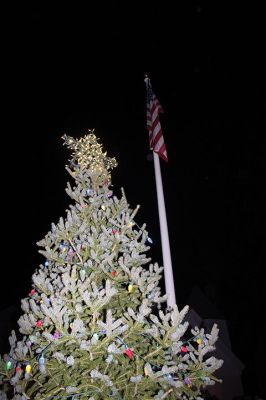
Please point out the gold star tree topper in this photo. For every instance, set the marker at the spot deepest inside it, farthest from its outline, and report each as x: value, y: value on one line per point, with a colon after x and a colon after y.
x: 87, y: 154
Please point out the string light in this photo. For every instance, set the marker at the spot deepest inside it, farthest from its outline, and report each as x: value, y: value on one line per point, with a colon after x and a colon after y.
x: 87, y: 154
x: 128, y: 352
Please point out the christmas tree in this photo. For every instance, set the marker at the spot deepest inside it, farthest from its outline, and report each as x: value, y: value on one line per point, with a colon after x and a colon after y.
x: 95, y: 325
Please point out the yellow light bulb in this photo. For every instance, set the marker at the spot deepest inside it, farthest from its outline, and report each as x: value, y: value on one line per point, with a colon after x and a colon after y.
x: 28, y: 368
x: 130, y: 288
x: 199, y: 341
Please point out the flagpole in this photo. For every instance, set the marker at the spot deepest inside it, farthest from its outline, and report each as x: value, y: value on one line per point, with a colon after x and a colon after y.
x: 168, y: 270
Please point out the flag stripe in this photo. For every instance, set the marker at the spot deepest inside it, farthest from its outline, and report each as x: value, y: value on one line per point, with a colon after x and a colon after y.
x: 154, y: 108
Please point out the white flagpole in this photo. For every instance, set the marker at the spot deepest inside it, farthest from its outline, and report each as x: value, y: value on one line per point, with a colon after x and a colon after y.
x: 168, y: 270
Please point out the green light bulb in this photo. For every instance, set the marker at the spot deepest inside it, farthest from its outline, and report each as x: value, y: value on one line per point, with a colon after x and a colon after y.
x: 8, y: 365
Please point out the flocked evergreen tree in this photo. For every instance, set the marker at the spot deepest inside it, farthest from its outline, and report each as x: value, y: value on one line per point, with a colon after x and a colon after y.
x: 93, y: 326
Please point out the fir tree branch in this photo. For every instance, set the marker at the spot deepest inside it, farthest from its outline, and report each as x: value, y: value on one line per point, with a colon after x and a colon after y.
x: 166, y: 394
x: 74, y: 247
x: 153, y: 352
x: 136, y: 386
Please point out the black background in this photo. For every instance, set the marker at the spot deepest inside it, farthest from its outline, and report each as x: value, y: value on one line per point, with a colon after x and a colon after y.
x: 67, y: 69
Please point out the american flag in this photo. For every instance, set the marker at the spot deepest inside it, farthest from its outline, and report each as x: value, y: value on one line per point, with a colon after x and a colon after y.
x: 154, y: 108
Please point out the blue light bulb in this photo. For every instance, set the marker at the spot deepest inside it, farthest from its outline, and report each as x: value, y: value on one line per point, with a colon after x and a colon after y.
x: 41, y: 360
x: 169, y: 377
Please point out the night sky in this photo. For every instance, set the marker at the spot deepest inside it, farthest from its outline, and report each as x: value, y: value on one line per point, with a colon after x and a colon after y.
x: 72, y: 68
